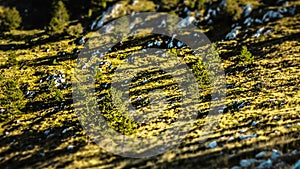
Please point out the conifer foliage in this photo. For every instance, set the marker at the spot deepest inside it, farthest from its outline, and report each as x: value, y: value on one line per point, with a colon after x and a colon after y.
x: 60, y: 18
x: 9, y: 18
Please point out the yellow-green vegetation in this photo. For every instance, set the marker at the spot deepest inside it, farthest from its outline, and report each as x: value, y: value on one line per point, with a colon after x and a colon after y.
x: 60, y: 19
x: 12, y: 99
x: 39, y: 127
x: 168, y: 4
x: 75, y: 30
x: 233, y: 9
x: 9, y: 18
x: 246, y: 57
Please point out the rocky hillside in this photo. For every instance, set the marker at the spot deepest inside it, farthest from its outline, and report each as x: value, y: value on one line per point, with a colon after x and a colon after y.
x: 259, y: 125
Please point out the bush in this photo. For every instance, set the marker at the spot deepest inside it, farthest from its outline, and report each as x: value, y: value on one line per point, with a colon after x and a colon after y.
x: 233, y: 9
x: 246, y: 57
x: 98, y: 5
x: 201, y: 73
x: 201, y: 4
x: 10, y: 19
x: 60, y: 18
x: 12, y: 59
x: 12, y: 97
x: 75, y: 30
x: 169, y: 4
x: 55, y: 92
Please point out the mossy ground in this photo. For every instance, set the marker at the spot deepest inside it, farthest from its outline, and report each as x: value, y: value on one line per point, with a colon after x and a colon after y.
x: 270, y: 84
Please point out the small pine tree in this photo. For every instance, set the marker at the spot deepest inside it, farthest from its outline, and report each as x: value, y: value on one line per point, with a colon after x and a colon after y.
x: 246, y: 57
x: 60, y: 18
x: 12, y: 97
x: 12, y: 59
x: 10, y: 19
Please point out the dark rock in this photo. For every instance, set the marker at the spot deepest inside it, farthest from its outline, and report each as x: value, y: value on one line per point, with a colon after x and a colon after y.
x: 297, y: 165
x: 247, y: 10
x: 230, y: 86
x: 275, y: 154
x: 70, y: 147
x: 61, y: 53
x: 282, y: 164
x: 247, y: 137
x: 276, y: 117
x: 29, y: 94
x: 47, y: 132
x: 261, y: 154
x: 76, y: 51
x: 254, y: 123
x: 231, y: 139
x: 247, y: 162
x: 212, y: 144
x: 265, y: 164
x: 80, y: 41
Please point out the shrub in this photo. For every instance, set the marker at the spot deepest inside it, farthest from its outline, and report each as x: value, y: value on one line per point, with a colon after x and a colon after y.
x: 121, y: 122
x: 200, y: 72
x: 246, y: 57
x: 75, y: 30
x: 11, y: 99
x: 60, y: 18
x: 201, y: 4
x: 57, y: 94
x: 169, y: 4
x: 12, y: 59
x: 100, y: 4
x: 10, y: 19
x: 233, y: 9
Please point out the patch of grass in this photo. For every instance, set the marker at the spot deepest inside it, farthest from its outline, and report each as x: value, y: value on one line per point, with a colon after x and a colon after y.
x: 277, y: 71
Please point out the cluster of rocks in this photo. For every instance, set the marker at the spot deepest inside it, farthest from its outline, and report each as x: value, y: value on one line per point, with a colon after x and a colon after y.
x: 49, y: 133
x: 80, y: 41
x: 59, y: 80
x: 29, y: 94
x: 265, y: 18
x: 240, y: 137
x: 268, y: 159
x: 105, y: 66
x: 212, y: 14
x: 235, y: 106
